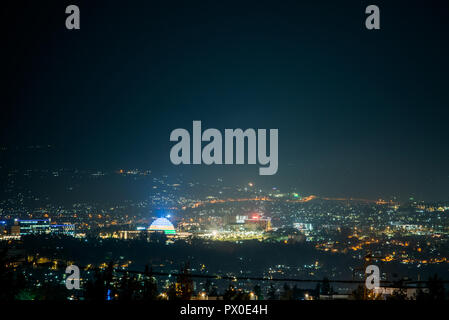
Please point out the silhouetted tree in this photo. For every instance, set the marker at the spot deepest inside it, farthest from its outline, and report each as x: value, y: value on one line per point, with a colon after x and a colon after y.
x: 359, y: 292
x: 326, y: 287
x: 185, y: 283
x: 158, y: 237
x: 297, y: 293
x: 272, y: 293
x: 207, y: 285
x: 51, y: 292
x: 318, y: 289
x: 287, y: 293
x: 128, y: 288
x: 11, y: 282
x: 171, y: 292
x: 258, y: 292
x: 213, y: 292
x: 230, y: 293
x: 435, y: 290
x: 100, y: 288
x: 400, y: 293
x: 150, y: 285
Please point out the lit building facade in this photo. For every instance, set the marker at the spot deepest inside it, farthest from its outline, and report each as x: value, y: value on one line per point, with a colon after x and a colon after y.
x: 35, y: 226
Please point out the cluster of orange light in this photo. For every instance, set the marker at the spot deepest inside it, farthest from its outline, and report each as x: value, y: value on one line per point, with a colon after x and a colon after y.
x: 430, y: 261
x: 305, y: 199
x: 388, y: 258
x: 201, y: 203
x: 379, y: 201
x: 400, y: 243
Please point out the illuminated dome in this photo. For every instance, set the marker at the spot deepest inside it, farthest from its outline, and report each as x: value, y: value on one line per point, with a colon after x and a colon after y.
x: 162, y: 224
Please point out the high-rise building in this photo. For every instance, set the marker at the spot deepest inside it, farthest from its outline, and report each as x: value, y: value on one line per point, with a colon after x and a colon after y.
x: 35, y: 226
x: 257, y: 222
x: 65, y: 229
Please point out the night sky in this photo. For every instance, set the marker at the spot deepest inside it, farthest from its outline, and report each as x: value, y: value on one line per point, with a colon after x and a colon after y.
x: 360, y: 113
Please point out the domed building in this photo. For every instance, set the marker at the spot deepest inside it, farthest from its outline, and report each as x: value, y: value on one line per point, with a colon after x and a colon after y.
x: 162, y: 224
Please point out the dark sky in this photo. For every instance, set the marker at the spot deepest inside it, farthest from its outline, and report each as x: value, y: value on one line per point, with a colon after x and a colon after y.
x: 360, y: 113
